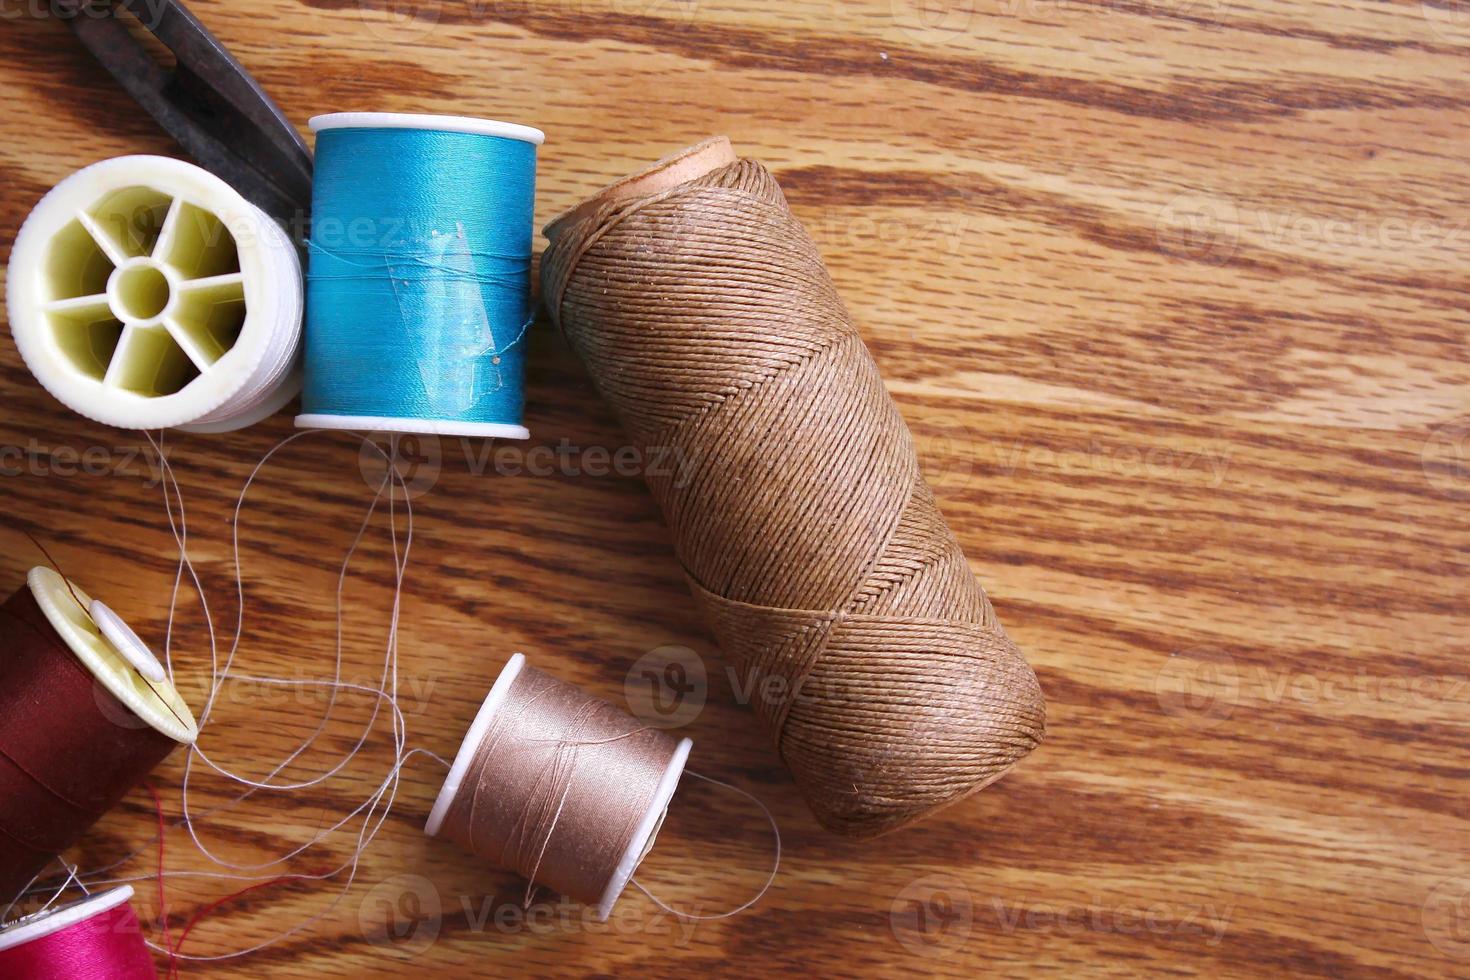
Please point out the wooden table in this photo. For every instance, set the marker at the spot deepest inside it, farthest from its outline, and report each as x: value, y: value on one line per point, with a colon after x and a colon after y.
x: 1174, y: 298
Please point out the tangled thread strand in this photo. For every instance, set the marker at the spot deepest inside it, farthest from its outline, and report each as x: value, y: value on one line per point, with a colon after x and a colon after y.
x: 809, y: 536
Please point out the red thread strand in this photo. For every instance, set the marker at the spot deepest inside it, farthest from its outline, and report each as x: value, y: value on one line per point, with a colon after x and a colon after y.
x: 201, y: 913
x: 162, y: 895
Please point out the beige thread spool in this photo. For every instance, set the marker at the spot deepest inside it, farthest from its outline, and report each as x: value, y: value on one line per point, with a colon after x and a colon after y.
x: 563, y: 788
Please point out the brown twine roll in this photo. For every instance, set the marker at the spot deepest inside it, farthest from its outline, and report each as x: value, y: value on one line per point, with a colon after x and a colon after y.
x: 705, y: 316
x: 563, y: 788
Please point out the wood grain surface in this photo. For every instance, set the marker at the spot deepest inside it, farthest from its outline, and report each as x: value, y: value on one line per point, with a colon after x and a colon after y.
x: 1173, y: 296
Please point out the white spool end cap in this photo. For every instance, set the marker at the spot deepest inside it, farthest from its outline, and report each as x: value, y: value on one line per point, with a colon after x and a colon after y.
x: 144, y: 292
x: 648, y: 828
x: 413, y: 427
x: 153, y: 703
x: 126, y: 642
x: 426, y: 121
x: 43, y: 924
x: 479, y: 728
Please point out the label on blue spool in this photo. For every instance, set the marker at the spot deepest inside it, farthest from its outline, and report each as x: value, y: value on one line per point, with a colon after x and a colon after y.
x: 418, y: 294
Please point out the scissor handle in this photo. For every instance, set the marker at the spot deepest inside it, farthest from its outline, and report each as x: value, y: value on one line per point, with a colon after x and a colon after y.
x: 208, y: 102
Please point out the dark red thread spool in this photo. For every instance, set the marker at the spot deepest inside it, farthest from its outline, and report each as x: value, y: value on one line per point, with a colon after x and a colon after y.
x: 79, y: 727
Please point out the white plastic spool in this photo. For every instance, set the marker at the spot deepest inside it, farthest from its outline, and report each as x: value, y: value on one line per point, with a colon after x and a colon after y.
x: 29, y: 928
x: 648, y: 826
x: 156, y: 703
x: 144, y: 292
x: 449, y: 124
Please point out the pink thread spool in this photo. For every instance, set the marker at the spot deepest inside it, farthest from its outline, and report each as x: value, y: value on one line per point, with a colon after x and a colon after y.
x: 95, y: 938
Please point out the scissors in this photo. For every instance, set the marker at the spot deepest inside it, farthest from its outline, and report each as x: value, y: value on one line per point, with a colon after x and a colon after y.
x: 207, y: 101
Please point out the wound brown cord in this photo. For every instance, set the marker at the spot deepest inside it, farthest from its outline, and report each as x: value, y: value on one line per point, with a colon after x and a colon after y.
x: 705, y: 316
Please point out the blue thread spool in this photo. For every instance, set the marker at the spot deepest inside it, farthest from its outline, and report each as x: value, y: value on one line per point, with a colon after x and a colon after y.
x: 418, y: 292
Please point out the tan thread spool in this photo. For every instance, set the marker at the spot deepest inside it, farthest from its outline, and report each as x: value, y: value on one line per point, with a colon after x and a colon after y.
x: 560, y: 787
x: 825, y: 570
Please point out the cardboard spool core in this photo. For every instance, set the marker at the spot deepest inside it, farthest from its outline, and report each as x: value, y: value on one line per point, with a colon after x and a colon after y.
x: 687, y: 164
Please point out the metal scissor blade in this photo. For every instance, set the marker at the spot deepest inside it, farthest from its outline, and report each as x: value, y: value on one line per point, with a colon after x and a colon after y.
x: 207, y: 102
